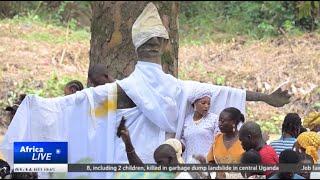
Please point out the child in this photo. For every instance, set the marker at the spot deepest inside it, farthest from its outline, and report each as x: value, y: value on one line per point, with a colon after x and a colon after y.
x: 72, y: 87
x: 288, y: 157
x: 252, y: 157
x: 13, y: 109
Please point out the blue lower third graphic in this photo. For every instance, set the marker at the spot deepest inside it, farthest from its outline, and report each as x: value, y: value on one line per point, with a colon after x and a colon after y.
x: 40, y: 152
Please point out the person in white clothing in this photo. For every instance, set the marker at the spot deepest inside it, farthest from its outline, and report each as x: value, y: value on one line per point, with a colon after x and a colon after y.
x: 201, y: 126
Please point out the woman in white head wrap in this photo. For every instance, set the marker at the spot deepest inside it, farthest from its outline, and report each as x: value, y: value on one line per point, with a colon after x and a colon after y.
x: 201, y: 126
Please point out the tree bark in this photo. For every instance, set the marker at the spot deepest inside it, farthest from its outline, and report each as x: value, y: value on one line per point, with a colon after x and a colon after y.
x: 111, y: 41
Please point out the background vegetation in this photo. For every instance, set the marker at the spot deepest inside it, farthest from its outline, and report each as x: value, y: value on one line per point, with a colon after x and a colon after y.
x: 254, y: 19
x: 199, y: 21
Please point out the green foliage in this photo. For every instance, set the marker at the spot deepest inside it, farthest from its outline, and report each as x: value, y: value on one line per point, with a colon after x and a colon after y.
x: 316, y: 105
x: 52, y: 23
x: 273, y: 126
x: 249, y: 113
x: 12, y: 8
x: 308, y: 14
x: 61, y: 13
x: 220, y: 21
x: 269, y: 127
x: 47, y: 32
x: 265, y: 29
x: 306, y: 8
x: 220, y: 80
x: 53, y: 87
x: 76, y: 36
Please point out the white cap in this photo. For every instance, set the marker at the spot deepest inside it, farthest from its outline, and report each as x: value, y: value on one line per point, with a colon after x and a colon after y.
x: 199, y: 92
x: 147, y: 26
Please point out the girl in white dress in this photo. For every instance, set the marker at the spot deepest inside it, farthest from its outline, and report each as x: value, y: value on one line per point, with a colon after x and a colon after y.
x: 200, y: 127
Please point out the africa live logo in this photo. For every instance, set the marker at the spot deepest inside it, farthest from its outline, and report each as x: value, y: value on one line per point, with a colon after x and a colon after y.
x: 40, y: 152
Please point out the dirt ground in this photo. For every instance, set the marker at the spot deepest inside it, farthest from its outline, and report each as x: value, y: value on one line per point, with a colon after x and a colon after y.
x: 258, y: 66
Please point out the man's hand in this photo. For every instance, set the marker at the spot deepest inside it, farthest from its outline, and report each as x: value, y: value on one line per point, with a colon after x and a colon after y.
x: 183, y: 147
x: 124, y: 134
x: 278, y: 98
x: 123, y: 131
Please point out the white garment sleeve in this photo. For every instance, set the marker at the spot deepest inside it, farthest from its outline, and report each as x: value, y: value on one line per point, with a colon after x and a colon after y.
x: 186, y: 121
x: 224, y: 97
x: 69, y: 119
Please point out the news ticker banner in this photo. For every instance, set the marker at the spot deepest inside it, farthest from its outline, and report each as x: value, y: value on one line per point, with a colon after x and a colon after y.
x: 192, y: 168
x: 40, y: 156
x: 155, y: 168
x: 53, y: 157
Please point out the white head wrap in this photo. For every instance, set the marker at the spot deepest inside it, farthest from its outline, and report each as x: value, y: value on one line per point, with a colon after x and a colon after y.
x: 198, y: 93
x: 177, y: 146
x: 147, y: 26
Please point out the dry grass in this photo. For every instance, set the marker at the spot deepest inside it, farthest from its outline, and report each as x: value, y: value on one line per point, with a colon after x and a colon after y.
x: 25, y: 57
x: 22, y: 58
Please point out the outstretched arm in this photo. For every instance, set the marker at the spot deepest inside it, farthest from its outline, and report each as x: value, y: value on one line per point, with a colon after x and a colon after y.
x: 277, y: 99
x: 131, y: 154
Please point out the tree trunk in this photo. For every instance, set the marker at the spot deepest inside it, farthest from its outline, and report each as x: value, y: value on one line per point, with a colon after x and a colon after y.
x: 111, y: 41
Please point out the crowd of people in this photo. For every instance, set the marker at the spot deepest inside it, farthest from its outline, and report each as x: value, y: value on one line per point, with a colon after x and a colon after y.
x: 223, y: 141
x: 210, y: 138
x: 226, y: 138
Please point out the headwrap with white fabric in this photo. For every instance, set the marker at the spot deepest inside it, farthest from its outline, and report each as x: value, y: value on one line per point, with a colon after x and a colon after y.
x: 198, y: 93
x: 147, y: 26
x: 176, y: 144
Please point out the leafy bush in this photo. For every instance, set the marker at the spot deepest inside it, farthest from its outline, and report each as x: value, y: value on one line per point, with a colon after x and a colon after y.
x: 206, y: 21
x: 317, y: 105
x: 273, y: 126
x: 53, y: 87
x: 66, y: 13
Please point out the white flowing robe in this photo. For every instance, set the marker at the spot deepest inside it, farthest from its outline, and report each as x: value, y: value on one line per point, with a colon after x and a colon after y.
x: 162, y: 106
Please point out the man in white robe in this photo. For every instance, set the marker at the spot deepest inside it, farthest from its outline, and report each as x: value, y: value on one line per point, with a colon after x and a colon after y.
x: 88, y: 119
